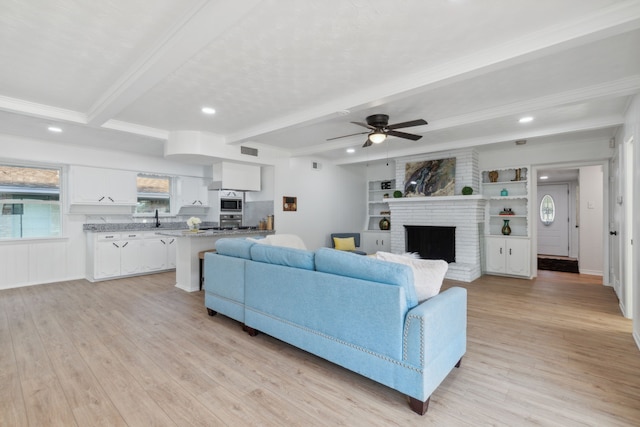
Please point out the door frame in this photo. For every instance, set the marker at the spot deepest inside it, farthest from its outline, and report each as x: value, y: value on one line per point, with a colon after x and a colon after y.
x: 606, y: 281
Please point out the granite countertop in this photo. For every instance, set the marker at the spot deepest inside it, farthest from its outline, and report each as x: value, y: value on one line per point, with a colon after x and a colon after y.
x: 212, y: 233
x: 140, y: 226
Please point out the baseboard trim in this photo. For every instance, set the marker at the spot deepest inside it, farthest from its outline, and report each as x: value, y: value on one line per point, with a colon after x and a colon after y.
x: 636, y: 337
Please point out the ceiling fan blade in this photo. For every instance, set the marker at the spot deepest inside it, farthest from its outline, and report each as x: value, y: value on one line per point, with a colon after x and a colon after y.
x: 409, y: 124
x: 345, y: 136
x: 404, y: 135
x: 364, y: 125
x: 367, y: 143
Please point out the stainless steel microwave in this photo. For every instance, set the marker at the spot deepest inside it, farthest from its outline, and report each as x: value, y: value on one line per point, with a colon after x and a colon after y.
x: 230, y: 205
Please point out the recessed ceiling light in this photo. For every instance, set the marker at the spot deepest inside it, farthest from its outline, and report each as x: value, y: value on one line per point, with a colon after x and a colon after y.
x: 526, y: 119
x: 351, y: 150
x: 54, y: 129
x: 544, y: 177
x: 208, y: 110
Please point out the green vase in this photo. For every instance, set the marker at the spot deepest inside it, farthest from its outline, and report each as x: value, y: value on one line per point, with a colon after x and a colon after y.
x: 506, y: 230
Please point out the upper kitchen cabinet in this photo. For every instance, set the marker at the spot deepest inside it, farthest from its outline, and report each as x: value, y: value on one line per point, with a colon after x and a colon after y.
x: 102, y: 187
x: 235, y: 176
x: 192, y: 192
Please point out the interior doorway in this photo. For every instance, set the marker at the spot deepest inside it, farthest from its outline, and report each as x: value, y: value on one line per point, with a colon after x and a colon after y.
x: 556, y: 215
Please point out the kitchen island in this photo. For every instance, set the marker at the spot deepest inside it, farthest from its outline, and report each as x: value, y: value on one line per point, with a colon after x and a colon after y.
x: 191, y: 243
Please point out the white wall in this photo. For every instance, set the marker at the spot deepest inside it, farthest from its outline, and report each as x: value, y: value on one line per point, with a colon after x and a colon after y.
x: 330, y: 199
x: 591, y: 218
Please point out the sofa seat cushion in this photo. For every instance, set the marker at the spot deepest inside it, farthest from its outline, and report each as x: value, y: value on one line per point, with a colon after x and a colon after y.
x: 361, y: 267
x: 428, y: 273
x: 289, y: 257
x: 235, y: 247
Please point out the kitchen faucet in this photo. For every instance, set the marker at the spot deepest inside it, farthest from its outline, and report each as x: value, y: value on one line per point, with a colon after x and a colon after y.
x: 157, y: 219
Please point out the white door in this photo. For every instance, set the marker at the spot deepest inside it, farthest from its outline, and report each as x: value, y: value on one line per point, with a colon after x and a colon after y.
x: 553, y: 235
x: 495, y: 254
x: 518, y: 256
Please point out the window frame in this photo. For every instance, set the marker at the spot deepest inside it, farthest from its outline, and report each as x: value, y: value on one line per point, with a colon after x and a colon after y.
x: 169, y: 195
x: 61, y: 194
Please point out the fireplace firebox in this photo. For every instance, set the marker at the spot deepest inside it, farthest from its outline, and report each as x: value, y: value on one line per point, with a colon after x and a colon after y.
x: 431, y: 242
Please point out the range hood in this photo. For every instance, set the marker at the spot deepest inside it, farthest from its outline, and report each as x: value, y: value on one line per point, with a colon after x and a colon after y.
x: 235, y: 177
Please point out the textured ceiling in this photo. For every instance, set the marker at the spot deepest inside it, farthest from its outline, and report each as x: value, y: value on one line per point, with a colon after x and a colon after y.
x: 279, y: 71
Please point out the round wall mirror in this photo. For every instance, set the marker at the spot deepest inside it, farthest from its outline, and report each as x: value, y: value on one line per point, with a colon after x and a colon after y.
x: 547, y: 210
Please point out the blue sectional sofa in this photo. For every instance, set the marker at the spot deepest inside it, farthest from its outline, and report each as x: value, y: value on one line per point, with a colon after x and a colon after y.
x: 358, y: 312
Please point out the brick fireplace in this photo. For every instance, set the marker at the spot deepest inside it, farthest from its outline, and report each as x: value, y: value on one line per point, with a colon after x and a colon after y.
x: 465, y: 213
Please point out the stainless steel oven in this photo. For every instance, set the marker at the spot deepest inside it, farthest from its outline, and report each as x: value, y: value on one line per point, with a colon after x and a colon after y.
x: 230, y: 221
x: 231, y: 205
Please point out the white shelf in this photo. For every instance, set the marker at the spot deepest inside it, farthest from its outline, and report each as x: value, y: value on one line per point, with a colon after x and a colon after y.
x: 377, y: 203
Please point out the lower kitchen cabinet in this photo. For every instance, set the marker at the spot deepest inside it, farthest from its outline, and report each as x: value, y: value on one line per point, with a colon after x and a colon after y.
x: 112, y: 255
x: 508, y: 255
x: 374, y: 241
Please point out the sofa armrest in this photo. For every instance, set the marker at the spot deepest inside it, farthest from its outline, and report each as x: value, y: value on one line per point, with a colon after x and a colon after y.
x: 436, y: 330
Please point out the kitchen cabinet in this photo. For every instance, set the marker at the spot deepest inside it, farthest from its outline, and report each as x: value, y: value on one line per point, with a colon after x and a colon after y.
x: 508, y: 255
x: 158, y: 253
x: 192, y: 192
x: 114, y: 255
x: 111, y: 255
x: 98, y: 186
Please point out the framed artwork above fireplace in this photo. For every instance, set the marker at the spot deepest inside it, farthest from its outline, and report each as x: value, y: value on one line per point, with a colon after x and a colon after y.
x: 430, y: 178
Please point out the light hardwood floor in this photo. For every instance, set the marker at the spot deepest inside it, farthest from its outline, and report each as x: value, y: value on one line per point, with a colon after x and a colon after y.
x: 139, y: 352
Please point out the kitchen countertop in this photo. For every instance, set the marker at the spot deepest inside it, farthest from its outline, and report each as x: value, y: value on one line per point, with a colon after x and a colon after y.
x: 141, y: 226
x: 213, y: 233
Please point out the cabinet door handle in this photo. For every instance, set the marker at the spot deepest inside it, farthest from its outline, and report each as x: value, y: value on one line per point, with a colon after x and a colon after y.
x: 172, y: 240
x: 125, y: 244
x: 110, y: 199
x: 382, y: 242
x: 163, y: 242
x: 509, y: 251
x: 101, y: 199
x: 114, y: 244
x: 500, y: 251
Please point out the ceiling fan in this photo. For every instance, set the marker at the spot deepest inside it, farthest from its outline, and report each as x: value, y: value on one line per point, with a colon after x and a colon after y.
x: 379, y: 129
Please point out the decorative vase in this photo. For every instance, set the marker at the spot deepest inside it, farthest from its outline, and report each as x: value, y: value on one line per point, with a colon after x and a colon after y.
x: 504, y: 192
x: 506, y: 230
x: 467, y: 191
x: 194, y: 228
x: 493, y: 176
x: 384, y: 224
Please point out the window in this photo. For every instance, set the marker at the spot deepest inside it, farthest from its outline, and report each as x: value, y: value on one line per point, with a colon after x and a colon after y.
x: 547, y: 210
x: 29, y: 202
x: 154, y: 192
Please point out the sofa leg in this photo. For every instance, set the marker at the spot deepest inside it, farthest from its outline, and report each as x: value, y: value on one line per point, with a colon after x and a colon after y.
x: 459, y: 363
x: 211, y: 312
x: 418, y: 406
x: 248, y: 329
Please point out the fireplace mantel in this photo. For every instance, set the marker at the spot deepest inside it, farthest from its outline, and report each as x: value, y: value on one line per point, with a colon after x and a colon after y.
x: 465, y: 213
x: 433, y: 199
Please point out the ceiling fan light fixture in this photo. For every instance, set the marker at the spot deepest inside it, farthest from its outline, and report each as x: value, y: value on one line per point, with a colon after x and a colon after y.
x: 377, y: 136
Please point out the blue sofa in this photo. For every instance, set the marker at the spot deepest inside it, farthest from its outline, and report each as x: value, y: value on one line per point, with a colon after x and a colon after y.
x: 358, y: 312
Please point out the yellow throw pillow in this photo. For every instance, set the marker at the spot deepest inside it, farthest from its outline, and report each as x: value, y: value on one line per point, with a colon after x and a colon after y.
x: 344, y: 244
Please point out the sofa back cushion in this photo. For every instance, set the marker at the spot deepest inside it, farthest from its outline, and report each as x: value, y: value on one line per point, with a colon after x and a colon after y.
x: 235, y: 247
x: 288, y: 257
x: 361, y: 267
